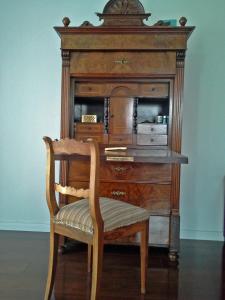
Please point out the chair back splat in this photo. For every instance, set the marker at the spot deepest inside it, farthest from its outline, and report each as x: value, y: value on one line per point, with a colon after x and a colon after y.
x: 65, y: 149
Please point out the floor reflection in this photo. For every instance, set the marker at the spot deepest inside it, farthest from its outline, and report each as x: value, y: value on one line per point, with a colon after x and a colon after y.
x: 200, y: 274
x: 121, y: 275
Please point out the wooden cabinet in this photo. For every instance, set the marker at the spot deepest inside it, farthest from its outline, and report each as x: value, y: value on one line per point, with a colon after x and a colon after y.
x: 127, y: 77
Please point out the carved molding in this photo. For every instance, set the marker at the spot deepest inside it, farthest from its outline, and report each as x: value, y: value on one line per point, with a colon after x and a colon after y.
x: 180, y: 58
x: 65, y: 58
x: 68, y: 190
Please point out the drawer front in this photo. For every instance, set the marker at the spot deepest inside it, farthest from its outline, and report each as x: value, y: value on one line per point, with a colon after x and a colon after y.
x: 151, y: 140
x: 89, y: 89
x: 89, y: 128
x: 136, y: 172
x: 120, y: 139
x: 154, y: 197
x: 115, y: 171
x: 84, y: 136
x: 133, y: 62
x: 154, y: 90
x: 152, y: 129
x: 118, y: 191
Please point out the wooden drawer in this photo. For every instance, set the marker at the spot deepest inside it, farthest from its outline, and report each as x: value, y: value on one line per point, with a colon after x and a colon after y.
x: 84, y: 136
x: 118, y: 191
x: 136, y: 172
x: 154, y: 197
x: 154, y: 90
x: 115, y: 171
x: 89, y: 89
x: 152, y: 140
x: 120, y: 139
x: 89, y: 128
x: 152, y: 129
x: 122, y: 62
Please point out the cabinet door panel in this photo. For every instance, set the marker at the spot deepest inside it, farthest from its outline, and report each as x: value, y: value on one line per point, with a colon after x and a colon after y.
x: 121, y: 115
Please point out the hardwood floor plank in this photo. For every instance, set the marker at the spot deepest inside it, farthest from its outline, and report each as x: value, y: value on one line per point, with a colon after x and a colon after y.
x: 24, y: 261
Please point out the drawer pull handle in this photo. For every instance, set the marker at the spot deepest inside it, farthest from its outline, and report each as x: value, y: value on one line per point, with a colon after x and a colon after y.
x: 152, y: 140
x: 120, y: 169
x: 118, y: 193
x: 121, y: 61
x: 152, y: 129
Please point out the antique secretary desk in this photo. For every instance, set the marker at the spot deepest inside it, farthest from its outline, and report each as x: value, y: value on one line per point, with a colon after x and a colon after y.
x: 122, y: 85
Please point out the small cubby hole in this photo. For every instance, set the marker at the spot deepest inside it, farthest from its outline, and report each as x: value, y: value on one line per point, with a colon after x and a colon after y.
x: 148, y: 109
x: 88, y: 106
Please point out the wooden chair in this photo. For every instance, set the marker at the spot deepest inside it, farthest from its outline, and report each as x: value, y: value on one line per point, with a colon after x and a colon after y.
x: 91, y: 220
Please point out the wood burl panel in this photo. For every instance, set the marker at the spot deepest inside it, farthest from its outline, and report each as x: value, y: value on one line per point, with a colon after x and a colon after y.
x: 115, y: 171
x: 117, y: 41
x: 154, y: 90
x: 130, y: 63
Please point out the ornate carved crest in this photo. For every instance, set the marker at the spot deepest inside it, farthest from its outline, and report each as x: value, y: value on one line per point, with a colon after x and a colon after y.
x: 123, y: 13
x: 124, y: 7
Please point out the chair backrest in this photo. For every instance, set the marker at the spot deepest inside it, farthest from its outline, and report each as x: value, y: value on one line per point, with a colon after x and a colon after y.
x: 65, y: 149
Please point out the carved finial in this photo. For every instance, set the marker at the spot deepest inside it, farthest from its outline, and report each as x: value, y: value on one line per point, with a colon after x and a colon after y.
x: 66, y: 21
x: 183, y: 21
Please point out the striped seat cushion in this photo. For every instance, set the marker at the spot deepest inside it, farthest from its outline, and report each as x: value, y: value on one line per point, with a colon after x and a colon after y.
x: 115, y: 214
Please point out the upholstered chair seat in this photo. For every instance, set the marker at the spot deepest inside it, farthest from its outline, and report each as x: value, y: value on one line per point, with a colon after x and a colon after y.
x: 115, y: 214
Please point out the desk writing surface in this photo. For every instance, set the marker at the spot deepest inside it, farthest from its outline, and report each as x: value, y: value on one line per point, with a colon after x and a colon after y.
x: 147, y: 156
x: 162, y: 156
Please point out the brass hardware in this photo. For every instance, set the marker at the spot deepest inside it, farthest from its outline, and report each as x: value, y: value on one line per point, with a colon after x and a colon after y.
x: 89, y: 119
x: 119, y: 158
x: 121, y: 62
x: 118, y: 193
x: 120, y: 169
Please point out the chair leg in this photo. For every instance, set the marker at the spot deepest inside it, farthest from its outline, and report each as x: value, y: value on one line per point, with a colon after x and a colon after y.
x: 89, y: 258
x: 53, y: 253
x: 96, y: 267
x: 144, y: 256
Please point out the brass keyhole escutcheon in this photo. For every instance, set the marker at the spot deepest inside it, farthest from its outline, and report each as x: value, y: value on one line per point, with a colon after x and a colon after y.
x: 122, y: 61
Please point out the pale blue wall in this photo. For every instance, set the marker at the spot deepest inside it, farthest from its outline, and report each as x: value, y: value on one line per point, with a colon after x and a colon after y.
x: 30, y: 107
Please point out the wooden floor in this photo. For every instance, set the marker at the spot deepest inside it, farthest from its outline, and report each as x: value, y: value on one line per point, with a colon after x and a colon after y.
x: 23, y: 270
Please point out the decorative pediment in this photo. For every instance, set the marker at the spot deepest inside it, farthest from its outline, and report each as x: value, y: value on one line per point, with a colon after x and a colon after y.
x: 124, y: 7
x: 123, y: 13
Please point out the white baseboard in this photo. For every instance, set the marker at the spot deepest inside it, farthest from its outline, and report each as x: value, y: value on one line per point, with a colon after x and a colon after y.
x: 35, y: 227
x: 201, y: 235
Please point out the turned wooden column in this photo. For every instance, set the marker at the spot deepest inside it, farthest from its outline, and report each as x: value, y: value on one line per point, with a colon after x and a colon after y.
x: 176, y: 146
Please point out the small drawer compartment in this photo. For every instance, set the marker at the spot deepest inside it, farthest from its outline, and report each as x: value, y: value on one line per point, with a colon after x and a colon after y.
x: 152, y: 129
x: 89, y: 127
x: 84, y: 136
x: 154, y: 90
x: 89, y: 89
x: 120, y: 139
x: 152, y: 140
